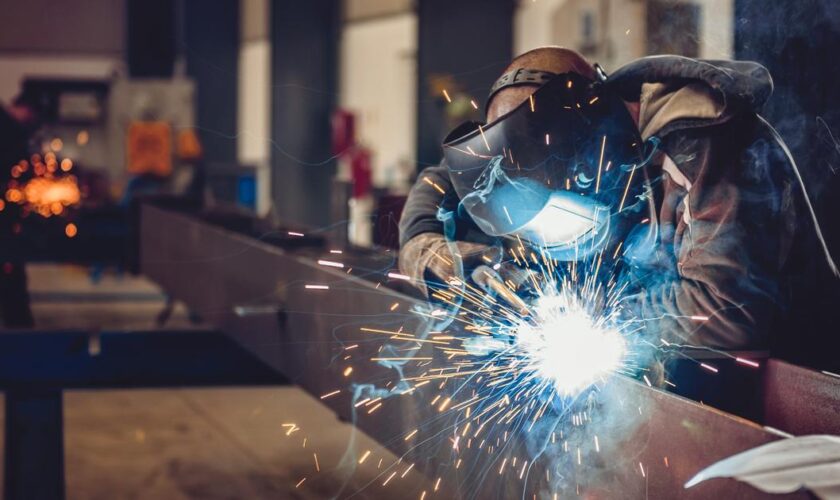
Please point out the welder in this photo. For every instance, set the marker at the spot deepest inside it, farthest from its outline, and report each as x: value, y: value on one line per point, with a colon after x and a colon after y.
x: 664, y: 164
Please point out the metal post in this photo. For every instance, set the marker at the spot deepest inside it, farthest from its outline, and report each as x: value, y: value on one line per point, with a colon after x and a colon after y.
x: 34, y: 466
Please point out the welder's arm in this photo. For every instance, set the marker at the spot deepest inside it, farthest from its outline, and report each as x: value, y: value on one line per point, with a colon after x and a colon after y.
x: 425, y: 254
x: 432, y: 190
x: 726, y: 259
x: 716, y: 301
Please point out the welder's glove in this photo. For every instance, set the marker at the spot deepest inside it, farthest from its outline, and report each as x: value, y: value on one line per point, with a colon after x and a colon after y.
x: 525, y: 281
x: 656, y: 373
x: 428, y: 258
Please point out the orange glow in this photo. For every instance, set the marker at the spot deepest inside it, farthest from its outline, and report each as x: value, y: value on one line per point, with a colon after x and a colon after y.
x: 14, y: 195
x: 82, y: 138
x: 43, y: 193
x: 71, y: 230
x: 189, y: 147
x: 56, y: 144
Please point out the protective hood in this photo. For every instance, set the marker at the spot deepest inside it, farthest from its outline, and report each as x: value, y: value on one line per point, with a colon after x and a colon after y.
x: 677, y: 92
x: 555, y: 170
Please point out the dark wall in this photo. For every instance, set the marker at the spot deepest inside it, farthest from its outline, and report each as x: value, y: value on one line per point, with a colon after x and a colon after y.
x: 798, y: 42
x: 210, y: 44
x: 304, y: 62
x: 467, y: 41
x: 150, y: 38
x: 69, y: 26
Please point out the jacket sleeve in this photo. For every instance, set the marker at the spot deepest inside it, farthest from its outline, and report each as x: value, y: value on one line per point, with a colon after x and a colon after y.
x: 431, y: 191
x: 726, y: 237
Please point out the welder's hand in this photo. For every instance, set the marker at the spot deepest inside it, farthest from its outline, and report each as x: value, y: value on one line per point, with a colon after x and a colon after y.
x: 428, y: 256
x: 515, y: 285
x: 524, y: 281
x: 493, y: 283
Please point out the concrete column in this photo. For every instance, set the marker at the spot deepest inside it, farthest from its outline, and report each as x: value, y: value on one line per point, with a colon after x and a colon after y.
x: 304, y: 69
x: 211, y: 49
x: 463, y: 45
x: 253, y: 119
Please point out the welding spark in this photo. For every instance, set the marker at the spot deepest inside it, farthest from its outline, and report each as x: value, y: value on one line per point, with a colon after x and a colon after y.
x: 503, y: 367
x: 746, y: 362
x: 486, y: 144
x: 566, y: 345
x: 709, y: 367
x: 330, y: 394
x: 504, y: 358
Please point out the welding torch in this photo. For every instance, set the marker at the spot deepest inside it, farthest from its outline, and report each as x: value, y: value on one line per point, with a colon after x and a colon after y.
x: 489, y: 279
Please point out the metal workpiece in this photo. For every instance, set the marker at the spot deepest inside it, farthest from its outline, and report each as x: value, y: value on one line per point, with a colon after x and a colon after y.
x: 298, y: 317
x: 800, y: 401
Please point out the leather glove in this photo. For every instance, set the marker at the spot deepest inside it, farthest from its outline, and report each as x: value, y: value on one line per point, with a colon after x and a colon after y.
x: 428, y: 256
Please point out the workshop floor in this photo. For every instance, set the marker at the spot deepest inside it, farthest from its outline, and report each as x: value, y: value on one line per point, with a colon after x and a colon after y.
x: 217, y: 443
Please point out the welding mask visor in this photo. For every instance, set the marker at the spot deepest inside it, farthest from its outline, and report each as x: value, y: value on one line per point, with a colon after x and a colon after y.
x: 556, y: 171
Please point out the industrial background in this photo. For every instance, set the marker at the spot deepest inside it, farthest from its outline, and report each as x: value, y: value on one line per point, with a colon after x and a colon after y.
x: 201, y: 152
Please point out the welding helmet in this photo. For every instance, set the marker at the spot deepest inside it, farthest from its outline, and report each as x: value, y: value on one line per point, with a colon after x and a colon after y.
x: 557, y: 172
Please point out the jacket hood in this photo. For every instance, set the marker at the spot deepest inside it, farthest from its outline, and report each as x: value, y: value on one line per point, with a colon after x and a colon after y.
x: 678, y: 92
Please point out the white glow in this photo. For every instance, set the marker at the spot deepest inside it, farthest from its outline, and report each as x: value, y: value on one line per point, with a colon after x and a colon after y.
x: 567, y: 346
x: 564, y: 219
x: 568, y: 223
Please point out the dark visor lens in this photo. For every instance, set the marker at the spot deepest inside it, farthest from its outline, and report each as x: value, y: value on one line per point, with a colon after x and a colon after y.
x: 555, y: 136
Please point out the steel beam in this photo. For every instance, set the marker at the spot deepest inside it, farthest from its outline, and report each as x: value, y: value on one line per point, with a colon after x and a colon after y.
x: 801, y: 401
x: 255, y: 293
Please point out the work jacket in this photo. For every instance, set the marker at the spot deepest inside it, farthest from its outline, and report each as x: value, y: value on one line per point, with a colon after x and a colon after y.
x: 726, y: 204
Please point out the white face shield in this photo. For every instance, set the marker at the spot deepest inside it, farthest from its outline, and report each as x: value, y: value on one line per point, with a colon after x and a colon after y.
x: 569, y: 226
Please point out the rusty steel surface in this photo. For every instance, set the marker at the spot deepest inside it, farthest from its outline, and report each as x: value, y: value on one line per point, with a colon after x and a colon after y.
x: 801, y: 401
x: 256, y: 294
